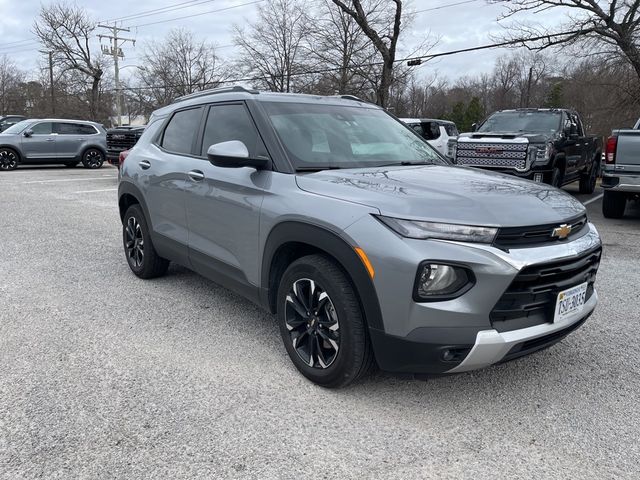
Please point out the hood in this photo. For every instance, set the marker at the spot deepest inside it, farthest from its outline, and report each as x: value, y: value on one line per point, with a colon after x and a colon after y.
x: 538, y: 137
x: 446, y: 194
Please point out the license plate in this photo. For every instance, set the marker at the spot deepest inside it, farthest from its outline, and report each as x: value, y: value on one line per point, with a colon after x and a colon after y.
x: 570, y: 301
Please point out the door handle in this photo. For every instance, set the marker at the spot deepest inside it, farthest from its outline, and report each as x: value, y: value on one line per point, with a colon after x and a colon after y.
x: 50, y: 139
x: 145, y: 164
x: 196, y: 175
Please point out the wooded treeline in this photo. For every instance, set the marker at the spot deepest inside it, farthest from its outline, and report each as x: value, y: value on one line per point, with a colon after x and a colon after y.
x: 339, y: 47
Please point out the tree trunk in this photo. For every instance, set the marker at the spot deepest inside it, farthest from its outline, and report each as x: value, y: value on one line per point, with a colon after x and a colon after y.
x: 95, y: 93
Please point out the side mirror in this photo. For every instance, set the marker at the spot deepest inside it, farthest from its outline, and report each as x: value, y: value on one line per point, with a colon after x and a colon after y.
x: 234, y: 154
x: 28, y: 133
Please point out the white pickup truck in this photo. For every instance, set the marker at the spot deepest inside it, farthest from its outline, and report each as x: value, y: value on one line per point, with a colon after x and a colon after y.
x: 621, y: 171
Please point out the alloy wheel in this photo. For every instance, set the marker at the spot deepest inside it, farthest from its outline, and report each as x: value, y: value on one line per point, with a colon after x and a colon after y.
x: 8, y: 160
x: 134, y: 242
x: 312, y: 322
x: 93, y: 159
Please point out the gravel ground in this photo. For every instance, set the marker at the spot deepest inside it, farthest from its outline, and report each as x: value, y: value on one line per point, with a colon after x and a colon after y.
x: 103, y: 375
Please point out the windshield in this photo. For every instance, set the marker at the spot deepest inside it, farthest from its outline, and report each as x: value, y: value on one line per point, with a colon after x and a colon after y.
x: 522, y: 122
x: 337, y: 136
x: 17, y: 127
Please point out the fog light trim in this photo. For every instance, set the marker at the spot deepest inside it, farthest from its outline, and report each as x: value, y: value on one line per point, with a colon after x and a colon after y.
x: 464, y: 273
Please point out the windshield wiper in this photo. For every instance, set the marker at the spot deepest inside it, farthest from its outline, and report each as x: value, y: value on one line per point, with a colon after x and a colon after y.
x: 317, y: 169
x: 405, y: 163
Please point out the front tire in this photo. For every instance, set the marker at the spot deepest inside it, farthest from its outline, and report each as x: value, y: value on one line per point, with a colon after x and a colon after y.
x: 322, y: 324
x: 141, y: 255
x: 614, y: 204
x: 92, y: 158
x: 556, y: 177
x: 588, y: 181
x: 8, y: 159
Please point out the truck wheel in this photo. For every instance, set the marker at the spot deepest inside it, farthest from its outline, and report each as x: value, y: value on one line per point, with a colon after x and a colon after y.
x: 142, y: 257
x: 92, y: 158
x: 321, y: 322
x: 614, y: 204
x: 556, y: 178
x: 588, y: 180
x: 8, y: 159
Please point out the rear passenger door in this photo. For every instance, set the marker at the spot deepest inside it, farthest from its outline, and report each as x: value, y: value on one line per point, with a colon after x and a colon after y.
x: 223, y: 204
x: 41, y: 144
x: 162, y: 168
x: 71, y: 137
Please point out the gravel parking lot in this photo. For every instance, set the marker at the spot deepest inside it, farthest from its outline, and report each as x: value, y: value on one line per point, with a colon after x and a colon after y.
x: 103, y: 375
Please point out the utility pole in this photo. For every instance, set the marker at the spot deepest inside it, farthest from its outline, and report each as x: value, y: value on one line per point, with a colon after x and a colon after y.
x: 53, y: 95
x: 116, y: 52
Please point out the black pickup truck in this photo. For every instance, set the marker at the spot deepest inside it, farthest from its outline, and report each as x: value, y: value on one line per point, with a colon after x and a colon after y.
x: 541, y: 144
x: 120, y: 139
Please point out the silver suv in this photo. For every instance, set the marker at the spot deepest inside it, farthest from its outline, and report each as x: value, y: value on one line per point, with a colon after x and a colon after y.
x: 367, y: 244
x: 48, y: 141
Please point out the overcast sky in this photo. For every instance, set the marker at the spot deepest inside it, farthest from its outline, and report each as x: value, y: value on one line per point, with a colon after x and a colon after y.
x: 457, y: 24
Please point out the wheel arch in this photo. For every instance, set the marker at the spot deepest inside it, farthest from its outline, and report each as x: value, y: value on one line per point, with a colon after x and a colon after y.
x: 14, y: 149
x: 129, y: 194
x: 291, y: 240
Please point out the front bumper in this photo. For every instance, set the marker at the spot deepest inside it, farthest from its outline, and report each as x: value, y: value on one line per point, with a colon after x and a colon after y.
x: 459, y: 335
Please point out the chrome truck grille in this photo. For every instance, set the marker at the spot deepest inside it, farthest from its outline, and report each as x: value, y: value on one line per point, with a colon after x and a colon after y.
x: 492, y: 155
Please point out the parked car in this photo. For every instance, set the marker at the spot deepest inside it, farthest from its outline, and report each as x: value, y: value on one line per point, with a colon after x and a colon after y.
x: 367, y: 244
x: 436, y: 132
x: 120, y: 139
x: 541, y: 144
x: 621, y: 173
x: 8, y: 120
x: 49, y: 141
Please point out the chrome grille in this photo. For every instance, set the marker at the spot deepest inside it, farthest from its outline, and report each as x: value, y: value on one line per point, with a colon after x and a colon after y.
x: 495, y: 155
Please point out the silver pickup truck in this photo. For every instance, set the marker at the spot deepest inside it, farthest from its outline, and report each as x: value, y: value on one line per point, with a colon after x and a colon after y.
x: 621, y: 171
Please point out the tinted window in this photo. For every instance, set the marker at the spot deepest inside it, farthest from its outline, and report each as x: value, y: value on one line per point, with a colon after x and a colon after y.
x: 74, y: 129
x: 451, y: 129
x: 522, y: 121
x: 232, y: 122
x: 181, y: 130
x: 431, y: 130
x: 43, y: 128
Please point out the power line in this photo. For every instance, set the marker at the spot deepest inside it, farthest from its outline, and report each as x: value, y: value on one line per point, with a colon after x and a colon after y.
x: 440, y: 7
x: 158, y: 11
x: 371, y: 64
x: 198, y: 14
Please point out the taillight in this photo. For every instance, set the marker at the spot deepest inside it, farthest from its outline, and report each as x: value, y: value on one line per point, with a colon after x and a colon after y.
x: 122, y: 157
x: 610, y: 150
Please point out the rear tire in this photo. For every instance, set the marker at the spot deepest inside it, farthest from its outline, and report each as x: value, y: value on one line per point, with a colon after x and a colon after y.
x: 140, y: 253
x: 92, y: 158
x: 322, y: 324
x: 614, y: 204
x: 8, y: 159
x: 588, y: 180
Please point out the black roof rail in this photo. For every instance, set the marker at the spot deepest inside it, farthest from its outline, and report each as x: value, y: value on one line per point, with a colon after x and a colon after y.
x: 212, y: 91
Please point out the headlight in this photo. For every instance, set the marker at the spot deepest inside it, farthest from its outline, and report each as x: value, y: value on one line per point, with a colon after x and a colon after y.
x: 541, y: 153
x: 440, y: 231
x: 439, y: 282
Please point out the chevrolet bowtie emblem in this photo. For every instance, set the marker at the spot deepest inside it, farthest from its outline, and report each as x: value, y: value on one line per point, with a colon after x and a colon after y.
x: 561, y: 232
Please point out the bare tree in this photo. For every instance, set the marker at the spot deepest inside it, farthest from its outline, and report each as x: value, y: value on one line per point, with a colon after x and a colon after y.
x: 179, y: 65
x: 66, y: 30
x: 611, y: 29
x: 384, y: 39
x: 10, y: 79
x: 340, y: 47
x: 273, y: 48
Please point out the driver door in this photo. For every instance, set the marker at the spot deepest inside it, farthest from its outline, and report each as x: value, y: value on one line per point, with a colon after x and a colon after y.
x: 40, y: 146
x: 223, y: 204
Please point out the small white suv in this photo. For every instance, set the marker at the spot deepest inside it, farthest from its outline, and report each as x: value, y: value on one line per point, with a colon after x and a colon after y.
x: 436, y: 132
